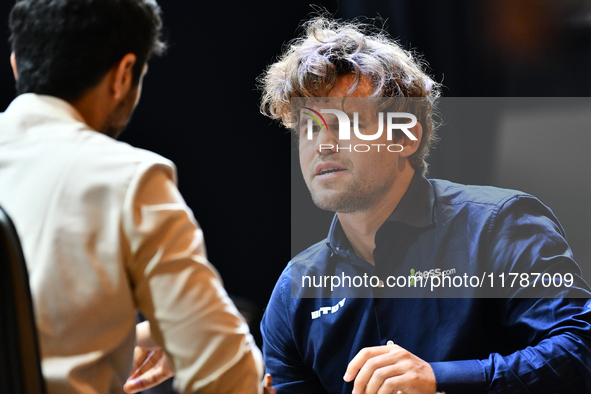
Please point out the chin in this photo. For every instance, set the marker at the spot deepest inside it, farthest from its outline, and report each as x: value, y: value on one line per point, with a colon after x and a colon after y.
x: 327, y: 201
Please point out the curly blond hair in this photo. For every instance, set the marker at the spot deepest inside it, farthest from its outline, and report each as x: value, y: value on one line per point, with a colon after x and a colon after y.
x: 328, y: 49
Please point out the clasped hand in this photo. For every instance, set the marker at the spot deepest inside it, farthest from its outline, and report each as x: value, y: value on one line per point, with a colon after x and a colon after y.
x: 390, y: 369
x: 150, y: 363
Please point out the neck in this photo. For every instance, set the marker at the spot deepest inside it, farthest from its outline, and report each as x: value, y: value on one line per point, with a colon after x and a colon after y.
x: 361, y: 227
x: 95, y: 104
x: 92, y: 111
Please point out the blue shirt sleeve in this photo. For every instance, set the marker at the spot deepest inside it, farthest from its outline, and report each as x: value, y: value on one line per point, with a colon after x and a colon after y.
x: 282, y: 358
x: 552, y: 328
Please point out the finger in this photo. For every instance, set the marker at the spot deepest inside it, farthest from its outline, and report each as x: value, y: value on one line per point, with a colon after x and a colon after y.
x: 268, y: 384
x: 393, y: 385
x: 139, y: 355
x: 383, y: 375
x: 149, y: 362
x: 268, y: 381
x: 376, y: 370
x: 132, y: 386
x: 149, y: 379
x: 361, y: 358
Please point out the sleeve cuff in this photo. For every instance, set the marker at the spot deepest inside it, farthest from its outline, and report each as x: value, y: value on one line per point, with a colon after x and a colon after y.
x: 460, y: 377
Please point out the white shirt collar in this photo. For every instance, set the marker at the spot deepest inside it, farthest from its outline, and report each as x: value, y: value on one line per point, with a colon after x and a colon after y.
x: 47, y: 105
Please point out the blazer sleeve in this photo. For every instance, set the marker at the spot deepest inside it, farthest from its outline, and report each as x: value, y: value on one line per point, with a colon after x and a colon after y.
x: 180, y: 292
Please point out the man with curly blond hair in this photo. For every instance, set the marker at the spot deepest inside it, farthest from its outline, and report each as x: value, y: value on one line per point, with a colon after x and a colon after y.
x: 327, y: 328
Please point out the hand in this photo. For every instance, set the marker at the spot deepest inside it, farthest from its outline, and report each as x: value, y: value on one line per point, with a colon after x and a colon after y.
x: 390, y: 369
x: 268, y: 385
x: 150, y: 368
x: 150, y: 364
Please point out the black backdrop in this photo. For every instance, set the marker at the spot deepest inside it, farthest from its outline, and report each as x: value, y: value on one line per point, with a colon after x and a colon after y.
x: 199, y: 104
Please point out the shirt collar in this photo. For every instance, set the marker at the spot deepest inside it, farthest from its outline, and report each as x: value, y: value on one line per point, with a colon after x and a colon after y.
x: 416, y: 205
x: 51, y: 106
x: 414, y: 209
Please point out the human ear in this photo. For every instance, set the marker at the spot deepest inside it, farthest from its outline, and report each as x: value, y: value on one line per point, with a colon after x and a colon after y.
x: 122, y: 76
x: 13, y: 64
x: 411, y: 146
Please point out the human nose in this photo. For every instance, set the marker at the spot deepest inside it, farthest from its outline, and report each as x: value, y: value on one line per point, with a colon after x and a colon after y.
x: 326, y: 143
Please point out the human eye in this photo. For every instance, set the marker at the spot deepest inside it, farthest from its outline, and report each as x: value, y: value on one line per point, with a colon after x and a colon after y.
x: 308, y: 125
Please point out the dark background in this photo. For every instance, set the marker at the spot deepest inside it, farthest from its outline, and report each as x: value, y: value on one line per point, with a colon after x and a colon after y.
x: 199, y: 109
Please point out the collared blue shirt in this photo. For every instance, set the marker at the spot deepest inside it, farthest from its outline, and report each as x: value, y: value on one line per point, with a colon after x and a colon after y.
x: 509, y: 344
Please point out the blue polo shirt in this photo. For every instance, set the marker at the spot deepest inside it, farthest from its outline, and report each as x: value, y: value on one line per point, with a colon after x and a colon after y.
x: 510, y: 344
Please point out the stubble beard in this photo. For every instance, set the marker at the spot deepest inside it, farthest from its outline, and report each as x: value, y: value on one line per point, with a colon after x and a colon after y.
x: 352, y: 198
x: 119, y: 118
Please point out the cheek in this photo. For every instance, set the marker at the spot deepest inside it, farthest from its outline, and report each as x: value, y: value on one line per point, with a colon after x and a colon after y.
x: 306, y: 150
x: 388, y: 164
x: 377, y: 163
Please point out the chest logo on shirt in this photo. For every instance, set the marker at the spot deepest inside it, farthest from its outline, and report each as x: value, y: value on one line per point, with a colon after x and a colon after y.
x: 429, y: 273
x: 328, y: 309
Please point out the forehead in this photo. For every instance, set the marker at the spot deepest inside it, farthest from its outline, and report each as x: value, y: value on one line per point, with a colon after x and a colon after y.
x: 345, y: 82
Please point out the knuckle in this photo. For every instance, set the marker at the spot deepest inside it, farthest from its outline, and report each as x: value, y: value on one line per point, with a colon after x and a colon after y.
x: 371, y: 363
x: 397, y: 350
x: 381, y: 373
x: 413, y: 376
x: 389, y: 383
